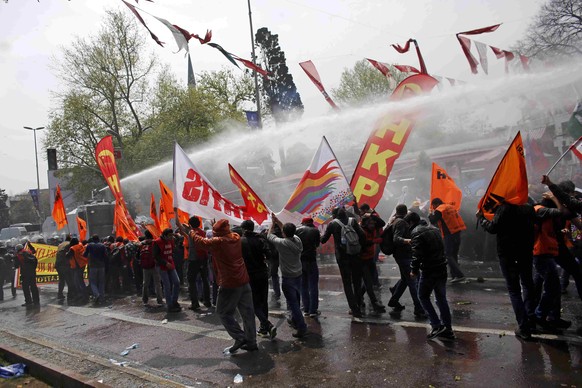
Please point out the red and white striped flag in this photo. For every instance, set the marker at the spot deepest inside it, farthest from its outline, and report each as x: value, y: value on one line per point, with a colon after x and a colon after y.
x: 577, y: 148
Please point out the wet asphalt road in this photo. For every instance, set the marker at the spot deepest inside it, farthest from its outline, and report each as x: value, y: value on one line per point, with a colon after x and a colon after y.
x: 340, y: 352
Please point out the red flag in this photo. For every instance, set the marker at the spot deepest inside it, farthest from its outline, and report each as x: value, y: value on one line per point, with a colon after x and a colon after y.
x: 383, y: 67
x: 183, y: 217
x: 154, y: 213
x: 254, y: 206
x: 443, y: 186
x: 509, y: 183
x: 82, y: 226
x: 577, y: 148
x: 134, y: 10
x: 168, y: 200
x: 206, y: 38
x: 309, y: 69
x: 153, y: 230
x: 59, y: 213
x: 498, y: 52
x: 105, y: 157
x: 407, y: 69
x: 121, y: 225
x: 401, y: 49
x: 386, y: 142
x: 466, y: 44
x: 251, y: 65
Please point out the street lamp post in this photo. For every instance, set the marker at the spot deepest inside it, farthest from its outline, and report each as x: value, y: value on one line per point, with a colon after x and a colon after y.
x: 36, y: 159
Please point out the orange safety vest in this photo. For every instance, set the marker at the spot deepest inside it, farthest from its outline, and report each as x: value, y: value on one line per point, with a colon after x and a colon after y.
x: 451, y: 218
x: 546, y: 242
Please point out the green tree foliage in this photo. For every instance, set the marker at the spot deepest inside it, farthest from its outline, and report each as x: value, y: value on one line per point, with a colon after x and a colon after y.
x: 112, y: 86
x: 556, y: 30
x: 282, y: 98
x: 364, y: 84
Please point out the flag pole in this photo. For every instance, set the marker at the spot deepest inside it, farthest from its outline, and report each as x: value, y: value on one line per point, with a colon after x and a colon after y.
x: 558, y: 161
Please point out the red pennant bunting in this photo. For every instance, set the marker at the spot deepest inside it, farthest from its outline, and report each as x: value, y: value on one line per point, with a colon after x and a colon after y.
x: 138, y: 16
x: 401, y: 49
x: 407, y: 69
x: 383, y: 67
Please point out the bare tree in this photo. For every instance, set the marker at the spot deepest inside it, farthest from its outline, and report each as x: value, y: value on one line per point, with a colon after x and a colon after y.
x: 556, y: 30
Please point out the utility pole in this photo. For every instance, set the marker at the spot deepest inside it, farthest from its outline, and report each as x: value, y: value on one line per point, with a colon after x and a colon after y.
x: 36, y: 159
x: 257, y: 94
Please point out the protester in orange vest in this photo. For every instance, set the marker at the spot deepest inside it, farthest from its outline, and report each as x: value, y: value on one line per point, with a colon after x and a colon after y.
x: 545, y: 253
x: 447, y: 218
x: 77, y: 264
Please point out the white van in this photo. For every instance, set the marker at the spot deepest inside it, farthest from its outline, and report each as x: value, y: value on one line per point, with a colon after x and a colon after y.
x: 16, y: 232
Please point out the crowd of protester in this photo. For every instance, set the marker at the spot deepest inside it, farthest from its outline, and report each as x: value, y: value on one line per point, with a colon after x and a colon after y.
x: 229, y: 267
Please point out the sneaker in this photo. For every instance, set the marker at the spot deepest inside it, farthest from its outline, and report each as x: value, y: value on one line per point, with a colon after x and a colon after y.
x: 315, y: 314
x: 160, y: 302
x: 305, y: 314
x: 194, y: 307
x: 396, y: 306
x: 457, y: 280
x: 447, y: 334
x: 420, y: 314
x: 547, y: 326
x: 174, y: 309
x: 299, y: 333
x: 237, y: 345
x: 379, y: 308
x: 357, y: 314
x: 523, y: 334
x: 435, y: 332
x: 26, y: 304
x: 249, y: 348
x: 264, y: 333
x: 60, y: 296
x: 272, y: 332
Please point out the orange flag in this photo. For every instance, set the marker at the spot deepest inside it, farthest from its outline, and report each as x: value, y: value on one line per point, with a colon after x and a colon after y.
x: 163, y: 217
x: 154, y: 213
x: 82, y: 226
x: 509, y: 183
x: 121, y: 224
x: 59, y: 212
x: 153, y: 230
x: 168, y: 199
x: 443, y: 186
x: 183, y: 217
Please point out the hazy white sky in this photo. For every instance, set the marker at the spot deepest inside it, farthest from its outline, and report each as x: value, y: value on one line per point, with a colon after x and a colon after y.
x: 334, y: 34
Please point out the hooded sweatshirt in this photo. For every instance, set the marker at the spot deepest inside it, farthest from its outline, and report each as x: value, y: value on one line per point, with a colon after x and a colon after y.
x: 226, y: 250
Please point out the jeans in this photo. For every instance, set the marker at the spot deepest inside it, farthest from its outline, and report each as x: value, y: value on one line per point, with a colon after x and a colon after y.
x: 79, y: 282
x: 345, y: 267
x: 196, y: 267
x: 231, y: 299
x: 550, y: 300
x: 406, y: 281
x: 452, y: 245
x: 310, y: 287
x: 64, y: 280
x: 375, y: 269
x: 148, y: 275
x: 260, y: 290
x: 171, y: 283
x: 436, y: 282
x: 517, y: 272
x: 97, y: 282
x: 568, y: 263
x: 291, y: 288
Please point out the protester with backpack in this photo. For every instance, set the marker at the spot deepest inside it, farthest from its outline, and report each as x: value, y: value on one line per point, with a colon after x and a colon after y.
x: 346, y: 258
x: 402, y: 252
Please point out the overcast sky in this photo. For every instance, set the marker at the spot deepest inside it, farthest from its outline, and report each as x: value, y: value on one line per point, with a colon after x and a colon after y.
x: 334, y: 34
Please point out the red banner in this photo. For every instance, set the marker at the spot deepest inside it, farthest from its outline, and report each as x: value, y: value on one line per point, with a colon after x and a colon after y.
x: 309, y: 69
x: 254, y: 206
x: 106, y: 161
x: 82, y: 226
x: 386, y: 143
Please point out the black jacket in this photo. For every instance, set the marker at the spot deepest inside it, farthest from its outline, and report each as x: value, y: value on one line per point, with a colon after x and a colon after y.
x: 401, y: 231
x: 255, y: 252
x: 514, y: 227
x: 428, y: 251
x: 310, y: 238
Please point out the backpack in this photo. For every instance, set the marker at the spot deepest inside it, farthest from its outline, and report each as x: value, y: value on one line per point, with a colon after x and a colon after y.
x: 387, y: 236
x: 350, y: 238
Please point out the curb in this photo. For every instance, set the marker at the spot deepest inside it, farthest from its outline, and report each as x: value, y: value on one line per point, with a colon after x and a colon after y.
x: 47, y: 372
